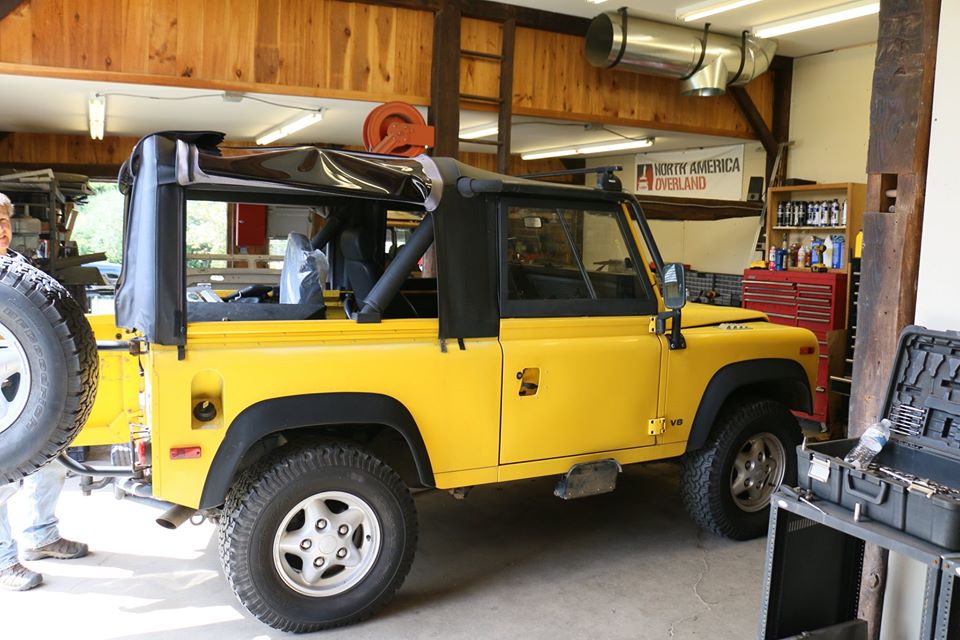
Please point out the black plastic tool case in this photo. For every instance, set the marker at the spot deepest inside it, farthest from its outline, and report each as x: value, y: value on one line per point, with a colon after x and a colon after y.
x: 923, y: 402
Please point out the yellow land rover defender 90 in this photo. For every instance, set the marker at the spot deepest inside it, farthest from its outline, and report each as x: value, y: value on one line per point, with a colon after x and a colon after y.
x: 553, y: 341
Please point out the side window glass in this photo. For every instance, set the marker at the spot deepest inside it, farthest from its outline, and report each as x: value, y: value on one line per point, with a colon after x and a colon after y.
x: 607, y: 260
x: 569, y: 254
x: 542, y: 264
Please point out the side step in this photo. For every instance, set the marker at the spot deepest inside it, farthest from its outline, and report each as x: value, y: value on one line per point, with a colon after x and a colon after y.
x: 588, y: 479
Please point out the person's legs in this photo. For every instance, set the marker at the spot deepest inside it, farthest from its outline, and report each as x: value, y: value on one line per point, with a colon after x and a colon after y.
x: 41, y: 492
x: 8, y: 546
x: 13, y: 575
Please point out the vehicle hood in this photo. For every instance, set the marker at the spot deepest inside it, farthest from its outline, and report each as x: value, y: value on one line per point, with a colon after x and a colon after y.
x: 702, y: 315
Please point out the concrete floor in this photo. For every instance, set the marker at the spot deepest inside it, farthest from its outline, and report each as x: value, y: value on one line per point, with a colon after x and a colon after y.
x: 508, y: 562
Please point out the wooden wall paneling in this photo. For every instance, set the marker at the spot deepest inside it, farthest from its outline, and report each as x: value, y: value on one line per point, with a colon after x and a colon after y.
x: 134, y: 19
x: 162, y: 38
x: 302, y: 43
x: 16, y: 35
x: 231, y: 24
x: 266, y: 52
x: 190, y: 39
x: 76, y: 154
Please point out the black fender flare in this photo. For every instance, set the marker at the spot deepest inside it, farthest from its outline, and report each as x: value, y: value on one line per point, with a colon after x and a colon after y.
x: 303, y: 411
x: 778, y: 378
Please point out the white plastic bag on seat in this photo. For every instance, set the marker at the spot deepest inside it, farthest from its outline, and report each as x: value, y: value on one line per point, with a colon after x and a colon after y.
x: 304, y: 272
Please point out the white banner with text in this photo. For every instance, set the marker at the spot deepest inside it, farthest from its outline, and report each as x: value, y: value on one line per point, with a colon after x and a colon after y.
x: 712, y: 172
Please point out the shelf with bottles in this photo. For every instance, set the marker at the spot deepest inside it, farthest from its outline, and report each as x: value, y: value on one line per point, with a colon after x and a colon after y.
x: 799, y: 205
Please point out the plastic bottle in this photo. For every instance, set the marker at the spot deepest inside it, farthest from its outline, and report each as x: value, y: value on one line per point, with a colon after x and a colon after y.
x: 802, y: 256
x: 839, y: 245
x: 772, y: 258
x: 843, y: 214
x: 828, y: 251
x: 870, y: 444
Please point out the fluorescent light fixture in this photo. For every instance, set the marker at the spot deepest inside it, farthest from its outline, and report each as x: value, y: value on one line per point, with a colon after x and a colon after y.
x: 479, y: 132
x: 700, y: 10
x: 547, y: 153
x: 596, y: 1
x: 605, y: 147
x: 288, y: 128
x: 97, y: 115
x: 839, y: 13
x: 587, y: 149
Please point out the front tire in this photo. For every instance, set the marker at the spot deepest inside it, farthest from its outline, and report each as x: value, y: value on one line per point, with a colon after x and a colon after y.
x: 317, y: 537
x: 726, y: 485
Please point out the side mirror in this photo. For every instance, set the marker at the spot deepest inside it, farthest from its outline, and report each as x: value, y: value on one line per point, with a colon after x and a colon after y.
x: 674, y: 286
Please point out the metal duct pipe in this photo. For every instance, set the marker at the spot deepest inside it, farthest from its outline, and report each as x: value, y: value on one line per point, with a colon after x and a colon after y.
x: 706, y: 62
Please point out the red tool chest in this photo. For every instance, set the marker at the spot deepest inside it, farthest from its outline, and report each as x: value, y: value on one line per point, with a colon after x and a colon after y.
x: 815, y: 301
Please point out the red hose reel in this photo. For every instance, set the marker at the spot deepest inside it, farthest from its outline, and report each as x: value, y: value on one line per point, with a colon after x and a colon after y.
x: 397, y: 129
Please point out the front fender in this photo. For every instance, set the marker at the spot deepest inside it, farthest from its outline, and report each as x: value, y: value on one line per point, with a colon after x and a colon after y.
x: 780, y: 379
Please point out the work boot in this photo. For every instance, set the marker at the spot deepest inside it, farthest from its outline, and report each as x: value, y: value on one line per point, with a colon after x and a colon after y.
x: 17, y: 577
x: 61, y: 549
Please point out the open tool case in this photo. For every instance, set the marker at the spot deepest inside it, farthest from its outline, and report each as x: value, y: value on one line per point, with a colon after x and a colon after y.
x: 914, y: 483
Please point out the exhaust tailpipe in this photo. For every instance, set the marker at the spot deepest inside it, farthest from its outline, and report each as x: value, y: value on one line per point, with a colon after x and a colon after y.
x: 175, y: 516
x: 705, y: 62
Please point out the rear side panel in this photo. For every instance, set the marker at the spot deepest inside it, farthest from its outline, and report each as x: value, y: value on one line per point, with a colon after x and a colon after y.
x: 453, y: 395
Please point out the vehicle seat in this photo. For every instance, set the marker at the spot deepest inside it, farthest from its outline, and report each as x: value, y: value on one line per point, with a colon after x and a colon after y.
x: 358, y: 265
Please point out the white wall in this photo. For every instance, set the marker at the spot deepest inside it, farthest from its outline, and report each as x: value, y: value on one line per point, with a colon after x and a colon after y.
x: 830, y: 115
x: 938, y: 302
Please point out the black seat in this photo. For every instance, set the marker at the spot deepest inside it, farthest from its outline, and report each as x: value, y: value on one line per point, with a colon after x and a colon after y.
x: 359, y: 268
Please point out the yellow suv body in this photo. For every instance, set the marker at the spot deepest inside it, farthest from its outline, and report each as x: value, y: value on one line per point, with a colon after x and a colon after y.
x: 542, y: 348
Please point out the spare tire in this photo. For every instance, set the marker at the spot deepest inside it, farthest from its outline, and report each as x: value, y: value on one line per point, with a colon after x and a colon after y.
x: 48, y: 369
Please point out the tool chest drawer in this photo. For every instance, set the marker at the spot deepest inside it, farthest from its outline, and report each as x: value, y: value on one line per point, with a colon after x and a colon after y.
x: 913, y: 485
x: 814, y: 301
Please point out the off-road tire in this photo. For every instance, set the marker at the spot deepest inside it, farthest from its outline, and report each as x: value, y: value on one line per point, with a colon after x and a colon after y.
x: 61, y: 353
x: 706, y: 478
x: 254, y: 511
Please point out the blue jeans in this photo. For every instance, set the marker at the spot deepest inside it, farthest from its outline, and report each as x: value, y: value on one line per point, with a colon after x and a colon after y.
x: 41, y: 491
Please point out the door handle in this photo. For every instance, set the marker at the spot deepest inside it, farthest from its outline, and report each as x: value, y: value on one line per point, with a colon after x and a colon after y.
x: 529, y: 382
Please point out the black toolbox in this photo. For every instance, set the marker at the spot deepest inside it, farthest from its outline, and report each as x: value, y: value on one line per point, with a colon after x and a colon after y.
x: 914, y: 483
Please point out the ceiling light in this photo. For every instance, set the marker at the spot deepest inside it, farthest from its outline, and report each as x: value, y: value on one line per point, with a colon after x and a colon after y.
x: 600, y: 147
x: 547, y: 153
x: 596, y: 1
x: 604, y: 147
x: 839, y: 13
x: 479, y: 132
x: 288, y: 128
x: 700, y: 10
x: 97, y: 115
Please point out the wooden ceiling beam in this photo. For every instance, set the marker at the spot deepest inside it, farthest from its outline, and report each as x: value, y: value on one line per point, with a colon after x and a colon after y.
x: 497, y: 12
x: 7, y: 7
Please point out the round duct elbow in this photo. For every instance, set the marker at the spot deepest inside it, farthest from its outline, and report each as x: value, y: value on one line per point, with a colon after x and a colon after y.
x: 706, y: 62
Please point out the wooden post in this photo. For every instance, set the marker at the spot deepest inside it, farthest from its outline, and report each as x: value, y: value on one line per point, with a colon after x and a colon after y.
x: 900, y: 113
x: 444, y: 114
x: 505, y: 118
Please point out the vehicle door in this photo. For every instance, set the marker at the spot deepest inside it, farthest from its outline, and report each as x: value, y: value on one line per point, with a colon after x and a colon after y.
x: 581, y: 367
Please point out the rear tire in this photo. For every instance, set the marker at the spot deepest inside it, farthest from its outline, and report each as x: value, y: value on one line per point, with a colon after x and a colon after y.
x: 48, y: 369
x: 317, y: 537
x: 726, y: 485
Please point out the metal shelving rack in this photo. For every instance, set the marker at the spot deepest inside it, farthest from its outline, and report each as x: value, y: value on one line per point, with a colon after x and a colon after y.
x: 813, y: 567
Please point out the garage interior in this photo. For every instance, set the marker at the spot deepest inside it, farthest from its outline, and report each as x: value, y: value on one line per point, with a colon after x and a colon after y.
x: 824, y: 164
